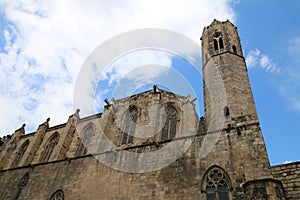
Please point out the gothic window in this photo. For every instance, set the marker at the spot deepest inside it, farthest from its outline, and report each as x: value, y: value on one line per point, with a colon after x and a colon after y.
x: 24, y: 180
x: 58, y: 195
x: 85, y: 140
x: 218, y: 42
x: 50, y: 145
x: 216, y: 184
x: 169, y: 128
x: 216, y: 46
x: 129, y: 126
x: 221, y: 44
x: 20, y: 154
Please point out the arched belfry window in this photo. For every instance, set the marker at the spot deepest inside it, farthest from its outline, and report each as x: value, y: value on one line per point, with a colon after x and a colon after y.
x: 85, y: 140
x: 20, y: 154
x: 216, y: 184
x: 50, y: 145
x: 129, y: 125
x: 170, y: 124
x: 58, y: 195
x: 218, y: 42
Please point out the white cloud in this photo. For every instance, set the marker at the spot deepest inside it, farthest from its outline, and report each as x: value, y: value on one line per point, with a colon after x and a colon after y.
x: 46, y: 42
x: 256, y: 58
x: 290, y: 90
x: 289, y: 85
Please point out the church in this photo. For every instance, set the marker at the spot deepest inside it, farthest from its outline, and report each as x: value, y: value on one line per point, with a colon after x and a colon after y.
x: 153, y: 145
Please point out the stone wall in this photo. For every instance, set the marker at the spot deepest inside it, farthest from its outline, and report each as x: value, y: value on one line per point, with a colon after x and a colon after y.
x: 289, y: 174
x: 241, y: 154
x: 87, y: 178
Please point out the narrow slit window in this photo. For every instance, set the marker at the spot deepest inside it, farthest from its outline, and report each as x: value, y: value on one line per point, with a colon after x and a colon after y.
x: 234, y: 49
x: 221, y: 43
x: 216, y: 46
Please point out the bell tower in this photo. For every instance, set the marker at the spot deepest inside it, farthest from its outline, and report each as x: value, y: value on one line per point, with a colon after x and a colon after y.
x: 227, y: 90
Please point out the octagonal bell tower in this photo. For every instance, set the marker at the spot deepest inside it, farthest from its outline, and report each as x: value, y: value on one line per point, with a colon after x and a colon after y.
x: 227, y: 91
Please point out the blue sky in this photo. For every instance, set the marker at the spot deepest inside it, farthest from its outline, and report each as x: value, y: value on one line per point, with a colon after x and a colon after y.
x: 44, y: 44
x: 272, y: 27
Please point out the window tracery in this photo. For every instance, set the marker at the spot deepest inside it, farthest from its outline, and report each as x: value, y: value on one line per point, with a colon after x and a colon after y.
x: 52, y: 142
x: 218, y: 42
x: 169, y: 128
x: 20, y: 154
x: 129, y: 126
x: 217, y: 184
x: 85, y: 141
x: 24, y: 180
x: 58, y: 195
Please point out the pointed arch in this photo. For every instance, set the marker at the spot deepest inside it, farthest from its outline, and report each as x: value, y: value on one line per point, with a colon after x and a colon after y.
x: 170, y: 123
x: 218, y: 42
x: 129, y: 125
x: 24, y: 180
x: 58, y: 195
x: 50, y: 145
x: 221, y: 44
x: 86, y: 139
x: 216, y: 184
x: 20, y: 154
x: 216, y: 45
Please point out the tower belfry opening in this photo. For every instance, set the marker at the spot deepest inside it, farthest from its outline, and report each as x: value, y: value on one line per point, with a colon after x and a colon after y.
x: 106, y: 155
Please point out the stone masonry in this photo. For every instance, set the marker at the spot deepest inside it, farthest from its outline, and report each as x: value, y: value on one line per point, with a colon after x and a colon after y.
x: 153, y: 145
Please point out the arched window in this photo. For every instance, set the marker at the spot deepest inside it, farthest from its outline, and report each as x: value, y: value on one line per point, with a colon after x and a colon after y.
x: 218, y: 42
x: 226, y: 111
x: 216, y: 184
x: 129, y: 126
x: 85, y: 140
x: 216, y: 46
x: 221, y: 44
x: 58, y: 195
x: 20, y: 154
x: 169, y: 128
x: 24, y: 180
x: 50, y: 145
x: 234, y: 49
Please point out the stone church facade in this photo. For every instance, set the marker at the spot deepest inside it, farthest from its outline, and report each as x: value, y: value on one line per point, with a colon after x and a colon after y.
x: 153, y: 145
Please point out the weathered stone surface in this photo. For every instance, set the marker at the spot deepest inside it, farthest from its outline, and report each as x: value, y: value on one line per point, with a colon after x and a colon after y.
x: 93, y: 158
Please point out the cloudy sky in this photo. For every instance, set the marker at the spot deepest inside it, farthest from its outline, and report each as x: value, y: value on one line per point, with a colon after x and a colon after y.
x: 44, y: 44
